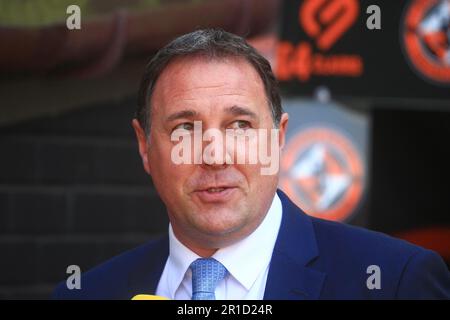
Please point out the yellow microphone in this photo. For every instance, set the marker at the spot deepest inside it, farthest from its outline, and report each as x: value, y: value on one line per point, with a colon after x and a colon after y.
x: 148, y: 297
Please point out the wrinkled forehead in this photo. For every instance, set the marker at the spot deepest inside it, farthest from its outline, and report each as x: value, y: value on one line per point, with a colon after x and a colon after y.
x: 203, y: 76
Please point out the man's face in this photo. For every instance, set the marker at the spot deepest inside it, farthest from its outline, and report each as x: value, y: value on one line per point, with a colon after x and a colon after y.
x: 209, y: 206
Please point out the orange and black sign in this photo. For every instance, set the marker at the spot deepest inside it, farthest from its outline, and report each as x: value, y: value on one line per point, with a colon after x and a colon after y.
x: 324, y: 23
x: 327, y: 43
x: 426, y: 39
x: 322, y: 171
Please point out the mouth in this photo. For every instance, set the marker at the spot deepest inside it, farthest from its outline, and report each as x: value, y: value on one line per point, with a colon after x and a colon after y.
x: 216, y: 194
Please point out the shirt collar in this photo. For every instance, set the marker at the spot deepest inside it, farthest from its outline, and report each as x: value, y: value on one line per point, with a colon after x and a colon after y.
x: 180, y: 258
x: 239, y: 258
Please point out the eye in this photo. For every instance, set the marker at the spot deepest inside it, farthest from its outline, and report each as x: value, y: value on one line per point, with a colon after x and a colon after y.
x: 185, y: 125
x: 241, y: 124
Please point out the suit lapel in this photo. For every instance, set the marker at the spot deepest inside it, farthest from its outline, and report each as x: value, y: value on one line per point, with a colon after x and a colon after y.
x: 289, y: 277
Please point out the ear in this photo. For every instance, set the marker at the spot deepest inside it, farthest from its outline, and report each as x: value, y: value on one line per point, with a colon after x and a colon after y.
x: 142, y: 143
x: 283, y: 128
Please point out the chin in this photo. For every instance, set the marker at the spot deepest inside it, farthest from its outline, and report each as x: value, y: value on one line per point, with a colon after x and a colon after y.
x: 217, y: 220
x: 220, y: 238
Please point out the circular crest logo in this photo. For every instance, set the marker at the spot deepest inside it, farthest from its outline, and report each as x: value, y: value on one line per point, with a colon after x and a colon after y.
x: 322, y: 172
x: 425, y: 34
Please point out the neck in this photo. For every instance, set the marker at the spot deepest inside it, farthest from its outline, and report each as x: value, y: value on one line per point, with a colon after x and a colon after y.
x: 203, y: 252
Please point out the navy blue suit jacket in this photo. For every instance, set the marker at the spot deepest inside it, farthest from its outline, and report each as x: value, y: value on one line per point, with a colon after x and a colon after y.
x: 312, y: 259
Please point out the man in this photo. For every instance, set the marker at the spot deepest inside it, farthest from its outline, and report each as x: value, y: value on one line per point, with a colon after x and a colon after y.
x: 232, y: 234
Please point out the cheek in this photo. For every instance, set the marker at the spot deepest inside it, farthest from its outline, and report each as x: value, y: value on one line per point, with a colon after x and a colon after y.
x: 252, y: 174
x: 256, y: 182
x: 165, y: 173
x: 157, y: 157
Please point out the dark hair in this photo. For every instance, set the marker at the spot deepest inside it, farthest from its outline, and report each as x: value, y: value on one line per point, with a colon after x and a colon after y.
x: 211, y: 43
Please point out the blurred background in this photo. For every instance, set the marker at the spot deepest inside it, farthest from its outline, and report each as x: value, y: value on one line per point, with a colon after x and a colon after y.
x: 366, y: 84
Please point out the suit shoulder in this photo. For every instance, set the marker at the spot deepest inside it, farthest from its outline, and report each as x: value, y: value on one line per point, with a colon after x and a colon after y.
x: 348, y: 255
x: 362, y: 243
x: 109, y: 279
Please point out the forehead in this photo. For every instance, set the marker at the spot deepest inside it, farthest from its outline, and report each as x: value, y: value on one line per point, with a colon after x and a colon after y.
x: 198, y: 77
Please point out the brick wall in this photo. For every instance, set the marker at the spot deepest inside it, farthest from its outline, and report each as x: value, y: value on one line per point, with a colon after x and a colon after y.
x: 72, y: 191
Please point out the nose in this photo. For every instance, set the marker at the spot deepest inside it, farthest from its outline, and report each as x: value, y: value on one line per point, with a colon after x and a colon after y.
x: 214, y: 166
x: 214, y: 153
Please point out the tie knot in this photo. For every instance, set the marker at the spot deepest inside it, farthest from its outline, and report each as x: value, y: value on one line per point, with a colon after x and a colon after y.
x: 206, y: 274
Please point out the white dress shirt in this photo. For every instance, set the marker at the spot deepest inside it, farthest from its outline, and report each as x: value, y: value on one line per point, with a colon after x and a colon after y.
x: 247, y: 262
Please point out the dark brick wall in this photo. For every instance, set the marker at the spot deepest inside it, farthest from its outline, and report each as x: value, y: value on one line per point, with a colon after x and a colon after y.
x: 411, y: 170
x: 72, y: 191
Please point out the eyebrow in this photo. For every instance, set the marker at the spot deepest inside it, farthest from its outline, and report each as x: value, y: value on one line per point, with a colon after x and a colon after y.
x: 183, y: 114
x: 241, y: 111
x: 189, y: 114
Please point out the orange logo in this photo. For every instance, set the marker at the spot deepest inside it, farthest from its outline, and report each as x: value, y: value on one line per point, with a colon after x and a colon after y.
x: 337, y: 16
x: 322, y: 173
x: 325, y: 22
x: 426, y: 38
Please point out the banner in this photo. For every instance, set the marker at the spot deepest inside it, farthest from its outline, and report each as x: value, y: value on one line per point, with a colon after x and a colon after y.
x: 380, y: 49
